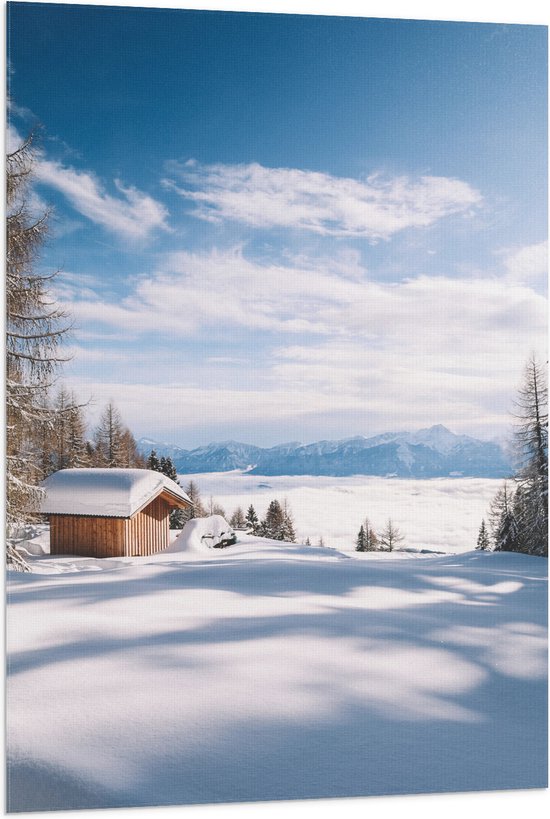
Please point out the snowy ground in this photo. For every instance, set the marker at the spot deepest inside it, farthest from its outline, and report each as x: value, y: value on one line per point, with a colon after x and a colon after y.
x: 265, y: 671
x: 443, y: 514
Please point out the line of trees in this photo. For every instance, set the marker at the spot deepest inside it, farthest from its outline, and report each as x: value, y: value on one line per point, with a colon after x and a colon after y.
x: 386, y: 540
x: 65, y: 443
x: 278, y: 523
x: 517, y: 520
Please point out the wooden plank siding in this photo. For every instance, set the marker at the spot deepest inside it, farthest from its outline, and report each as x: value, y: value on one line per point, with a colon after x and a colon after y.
x: 86, y: 536
x: 148, y: 531
x: 145, y: 533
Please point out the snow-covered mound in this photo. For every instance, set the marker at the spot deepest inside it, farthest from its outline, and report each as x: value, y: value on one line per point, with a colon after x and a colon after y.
x: 203, y: 534
x: 105, y: 492
x: 32, y: 539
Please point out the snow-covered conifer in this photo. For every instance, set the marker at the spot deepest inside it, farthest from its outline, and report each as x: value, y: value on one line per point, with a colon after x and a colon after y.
x: 272, y: 525
x: 507, y: 538
x: 252, y: 521
x: 288, y: 533
x: 153, y: 461
x: 499, y: 508
x: 178, y: 517
x: 483, y: 543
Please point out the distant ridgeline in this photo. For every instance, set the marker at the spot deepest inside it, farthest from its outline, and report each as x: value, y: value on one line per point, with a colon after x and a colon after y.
x: 429, y: 453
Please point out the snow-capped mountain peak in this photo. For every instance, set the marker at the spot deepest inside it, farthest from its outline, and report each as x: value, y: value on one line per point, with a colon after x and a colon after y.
x: 426, y: 453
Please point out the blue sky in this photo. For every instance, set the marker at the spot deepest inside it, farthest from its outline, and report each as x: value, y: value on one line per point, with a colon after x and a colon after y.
x: 278, y: 227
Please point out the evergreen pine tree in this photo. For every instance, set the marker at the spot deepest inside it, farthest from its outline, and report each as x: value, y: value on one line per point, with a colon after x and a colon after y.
x: 507, y: 535
x: 272, y: 525
x: 360, y: 541
x: 76, y: 435
x: 288, y: 533
x: 153, y: 462
x: 252, y: 521
x: 500, y: 507
x: 170, y: 470
x: 178, y: 517
x: 483, y: 543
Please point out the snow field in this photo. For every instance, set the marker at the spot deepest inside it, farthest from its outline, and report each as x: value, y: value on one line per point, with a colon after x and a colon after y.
x: 265, y: 671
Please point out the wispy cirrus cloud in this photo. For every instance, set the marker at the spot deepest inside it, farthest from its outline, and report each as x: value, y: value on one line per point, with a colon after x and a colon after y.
x: 132, y: 215
x: 375, y: 208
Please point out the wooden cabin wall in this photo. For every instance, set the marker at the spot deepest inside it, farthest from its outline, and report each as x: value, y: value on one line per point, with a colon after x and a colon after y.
x: 148, y: 531
x: 86, y: 536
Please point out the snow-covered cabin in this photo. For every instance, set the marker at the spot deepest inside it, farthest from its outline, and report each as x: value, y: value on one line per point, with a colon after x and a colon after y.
x: 110, y: 512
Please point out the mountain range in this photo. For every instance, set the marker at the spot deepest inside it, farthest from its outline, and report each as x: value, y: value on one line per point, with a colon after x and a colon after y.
x: 427, y: 453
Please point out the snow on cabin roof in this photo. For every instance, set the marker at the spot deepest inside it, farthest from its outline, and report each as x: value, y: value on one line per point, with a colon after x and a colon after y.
x: 117, y: 493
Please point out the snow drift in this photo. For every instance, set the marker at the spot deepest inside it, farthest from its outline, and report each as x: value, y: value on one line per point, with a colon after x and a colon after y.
x: 202, y: 534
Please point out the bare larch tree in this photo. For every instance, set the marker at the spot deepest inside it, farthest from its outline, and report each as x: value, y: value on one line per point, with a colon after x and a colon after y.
x: 34, y: 329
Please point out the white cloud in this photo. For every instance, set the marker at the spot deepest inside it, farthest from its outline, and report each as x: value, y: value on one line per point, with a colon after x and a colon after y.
x: 404, y: 354
x: 528, y: 265
x: 188, y: 406
x: 13, y: 138
x: 405, y: 388
x: 375, y: 208
x: 430, y: 316
x: 224, y: 289
x: 131, y: 215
